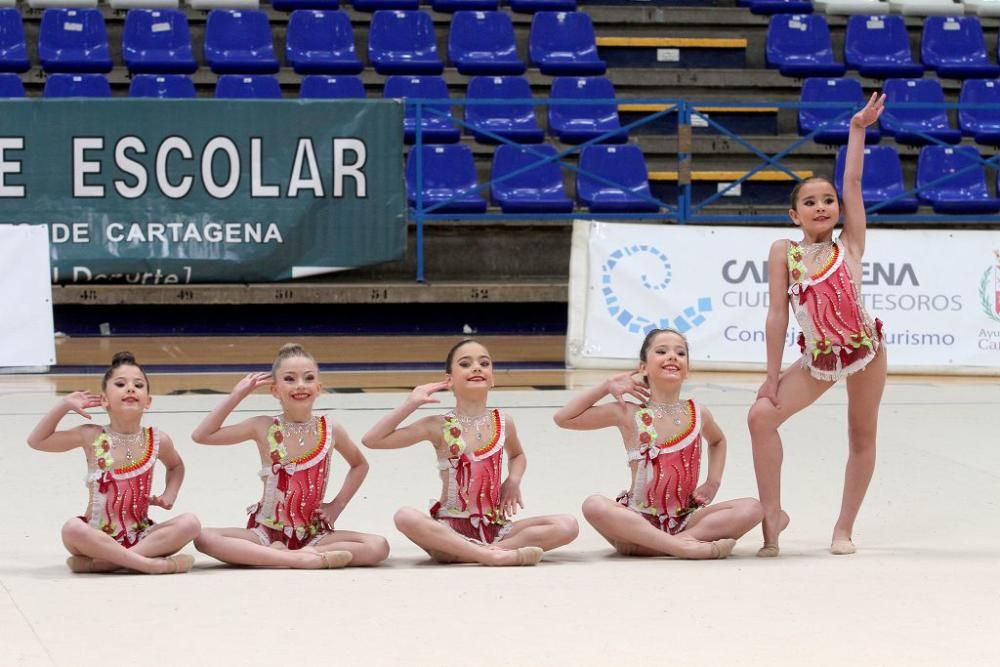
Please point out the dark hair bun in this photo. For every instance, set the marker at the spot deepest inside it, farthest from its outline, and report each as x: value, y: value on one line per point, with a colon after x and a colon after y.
x: 123, y: 359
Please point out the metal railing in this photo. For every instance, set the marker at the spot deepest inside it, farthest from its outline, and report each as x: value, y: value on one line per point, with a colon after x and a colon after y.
x: 686, y: 210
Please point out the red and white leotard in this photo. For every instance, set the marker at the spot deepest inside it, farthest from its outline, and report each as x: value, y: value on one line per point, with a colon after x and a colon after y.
x: 838, y: 336
x: 119, y: 496
x: 293, y: 491
x: 666, y: 471
x: 470, y: 500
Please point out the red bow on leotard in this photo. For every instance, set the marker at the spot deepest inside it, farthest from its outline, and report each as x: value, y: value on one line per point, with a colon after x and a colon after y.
x: 649, y: 452
x: 104, y: 482
x: 463, y: 473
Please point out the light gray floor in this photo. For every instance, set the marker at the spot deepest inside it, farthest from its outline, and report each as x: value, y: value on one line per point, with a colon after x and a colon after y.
x: 923, y: 589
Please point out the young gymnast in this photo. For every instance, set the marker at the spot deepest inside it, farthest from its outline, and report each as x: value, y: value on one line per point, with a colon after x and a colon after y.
x: 472, y: 521
x: 116, y: 532
x: 291, y: 526
x: 820, y: 277
x: 665, y: 512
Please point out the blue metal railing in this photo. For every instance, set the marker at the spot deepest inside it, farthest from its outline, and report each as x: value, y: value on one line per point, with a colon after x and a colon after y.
x: 685, y: 210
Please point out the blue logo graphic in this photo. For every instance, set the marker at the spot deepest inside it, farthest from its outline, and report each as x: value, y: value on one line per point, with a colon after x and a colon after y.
x: 689, y: 318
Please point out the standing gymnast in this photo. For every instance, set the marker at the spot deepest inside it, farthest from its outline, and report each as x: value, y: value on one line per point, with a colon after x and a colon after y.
x: 820, y: 277
x: 665, y: 512
x: 291, y: 526
x: 116, y: 532
x: 472, y: 520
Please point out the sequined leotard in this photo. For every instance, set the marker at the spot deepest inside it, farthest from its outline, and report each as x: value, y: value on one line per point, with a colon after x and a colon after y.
x: 119, y: 496
x: 293, y: 490
x: 470, y: 504
x: 666, y: 473
x: 838, y: 336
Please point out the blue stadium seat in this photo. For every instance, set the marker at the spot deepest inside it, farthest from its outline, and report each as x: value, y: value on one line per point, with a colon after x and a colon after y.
x: 483, y: 43
x: 903, y: 124
x: 321, y: 42
x: 378, y: 5
x: 403, y: 43
x: 157, y: 41
x: 982, y: 124
x: 76, y: 85
x: 512, y: 121
x: 538, y: 189
x: 622, y: 165
x: 577, y: 123
x: 879, y: 47
x: 10, y: 85
x: 767, y: 7
x: 73, y: 40
x: 564, y: 43
x: 434, y: 129
x: 450, y: 6
x: 292, y: 5
x: 447, y: 170
x: 164, y: 86
x: 832, y: 90
x: 248, y: 87
x: 239, y: 42
x: 966, y: 192
x: 881, y: 180
x: 13, y: 47
x: 953, y: 46
x: 535, y: 6
x: 799, y: 45
x: 318, y: 87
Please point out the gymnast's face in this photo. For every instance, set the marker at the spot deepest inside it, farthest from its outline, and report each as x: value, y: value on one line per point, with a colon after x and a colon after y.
x: 126, y: 391
x: 666, y: 359
x: 471, y: 369
x: 296, y: 383
x: 817, y: 209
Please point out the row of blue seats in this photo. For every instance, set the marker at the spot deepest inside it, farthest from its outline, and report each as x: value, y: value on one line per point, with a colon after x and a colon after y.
x: 611, y: 179
x: 445, y: 6
x: 907, y: 125
x: 591, y: 117
x: 964, y: 190
x: 615, y: 179
x: 514, y: 120
x: 450, y: 168
x: 879, y: 47
x: 159, y: 42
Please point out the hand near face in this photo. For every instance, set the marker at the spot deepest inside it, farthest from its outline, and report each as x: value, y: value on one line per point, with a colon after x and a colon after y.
x: 80, y: 401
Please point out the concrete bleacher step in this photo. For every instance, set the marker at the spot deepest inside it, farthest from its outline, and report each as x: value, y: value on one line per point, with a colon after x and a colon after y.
x: 742, y: 120
x: 344, y: 292
x: 769, y: 187
x: 221, y: 353
x: 673, y: 51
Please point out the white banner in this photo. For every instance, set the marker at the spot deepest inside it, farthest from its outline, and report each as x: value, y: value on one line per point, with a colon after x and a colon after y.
x: 938, y: 293
x: 27, y: 341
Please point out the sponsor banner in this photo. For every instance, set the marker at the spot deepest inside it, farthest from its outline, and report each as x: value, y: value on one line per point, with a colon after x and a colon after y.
x: 26, y: 337
x: 938, y: 293
x: 193, y: 191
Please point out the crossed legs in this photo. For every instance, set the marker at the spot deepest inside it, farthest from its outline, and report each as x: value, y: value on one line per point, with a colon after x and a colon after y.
x: 523, y: 545
x: 711, y: 533
x: 241, y: 546
x: 94, y: 551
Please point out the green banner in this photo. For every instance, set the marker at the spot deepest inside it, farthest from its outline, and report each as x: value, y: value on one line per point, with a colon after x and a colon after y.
x: 196, y: 191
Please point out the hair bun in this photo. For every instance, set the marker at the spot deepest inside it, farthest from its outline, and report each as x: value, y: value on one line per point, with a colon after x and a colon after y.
x: 123, y: 358
x: 291, y: 349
